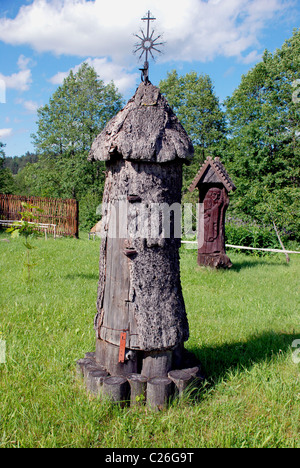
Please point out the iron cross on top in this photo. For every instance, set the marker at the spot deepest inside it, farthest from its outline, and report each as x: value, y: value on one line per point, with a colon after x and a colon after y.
x: 147, y: 45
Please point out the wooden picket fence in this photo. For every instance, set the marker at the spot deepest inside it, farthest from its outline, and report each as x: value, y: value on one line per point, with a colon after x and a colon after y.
x: 62, y: 213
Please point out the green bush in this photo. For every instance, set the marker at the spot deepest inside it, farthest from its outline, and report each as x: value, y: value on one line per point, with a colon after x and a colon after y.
x: 88, y: 210
x: 251, y: 235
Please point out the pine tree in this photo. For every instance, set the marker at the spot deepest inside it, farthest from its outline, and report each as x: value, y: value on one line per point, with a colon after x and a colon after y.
x: 6, y: 178
x: 193, y: 100
x: 67, y: 126
x: 263, y: 154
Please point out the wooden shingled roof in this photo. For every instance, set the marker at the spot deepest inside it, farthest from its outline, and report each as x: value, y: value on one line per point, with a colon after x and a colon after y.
x: 212, y: 170
x: 146, y: 129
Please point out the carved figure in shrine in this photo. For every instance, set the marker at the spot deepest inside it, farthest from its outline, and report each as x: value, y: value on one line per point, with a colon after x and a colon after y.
x: 214, y: 185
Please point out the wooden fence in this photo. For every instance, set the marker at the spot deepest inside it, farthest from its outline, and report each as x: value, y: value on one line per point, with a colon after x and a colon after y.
x: 63, y: 213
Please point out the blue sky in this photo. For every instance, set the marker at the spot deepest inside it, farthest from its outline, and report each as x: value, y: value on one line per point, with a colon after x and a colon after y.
x: 42, y: 40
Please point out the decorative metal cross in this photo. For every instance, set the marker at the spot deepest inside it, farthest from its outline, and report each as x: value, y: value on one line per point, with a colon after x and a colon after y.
x: 147, y: 45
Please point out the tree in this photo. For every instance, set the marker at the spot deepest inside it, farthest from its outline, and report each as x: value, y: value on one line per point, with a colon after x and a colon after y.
x: 263, y: 154
x: 67, y: 126
x: 6, y: 177
x: 79, y: 108
x: 193, y: 100
x: 17, y: 163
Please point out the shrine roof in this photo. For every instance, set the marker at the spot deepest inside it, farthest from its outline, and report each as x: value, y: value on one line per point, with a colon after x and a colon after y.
x: 146, y: 129
x: 212, y: 170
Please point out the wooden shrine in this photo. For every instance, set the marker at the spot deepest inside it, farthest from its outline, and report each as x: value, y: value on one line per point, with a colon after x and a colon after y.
x: 214, y: 185
x: 141, y: 323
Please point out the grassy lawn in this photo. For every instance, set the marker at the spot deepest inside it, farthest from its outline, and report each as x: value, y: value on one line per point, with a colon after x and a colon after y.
x: 242, y: 325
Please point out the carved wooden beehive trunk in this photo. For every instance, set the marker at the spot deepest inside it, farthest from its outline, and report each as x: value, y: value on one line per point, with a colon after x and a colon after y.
x: 214, y: 185
x: 141, y: 323
x: 139, y: 295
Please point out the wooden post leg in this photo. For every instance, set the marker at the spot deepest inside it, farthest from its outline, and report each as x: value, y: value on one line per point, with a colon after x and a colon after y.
x: 92, y: 366
x: 90, y: 355
x: 157, y: 363
x: 181, y: 379
x: 94, y: 381
x: 81, y: 364
x: 116, y: 389
x: 159, y: 390
x: 138, y: 386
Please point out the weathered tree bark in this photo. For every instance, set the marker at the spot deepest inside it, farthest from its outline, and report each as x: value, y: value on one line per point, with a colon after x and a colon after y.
x: 140, y: 294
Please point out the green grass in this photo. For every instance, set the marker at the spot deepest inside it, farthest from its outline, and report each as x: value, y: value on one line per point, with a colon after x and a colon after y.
x: 242, y: 325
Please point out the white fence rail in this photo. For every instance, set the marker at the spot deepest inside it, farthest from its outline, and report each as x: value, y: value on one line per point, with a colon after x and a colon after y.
x: 251, y: 248
x: 43, y: 226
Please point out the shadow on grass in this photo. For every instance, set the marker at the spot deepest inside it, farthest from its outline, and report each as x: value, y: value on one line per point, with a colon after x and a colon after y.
x: 217, y: 361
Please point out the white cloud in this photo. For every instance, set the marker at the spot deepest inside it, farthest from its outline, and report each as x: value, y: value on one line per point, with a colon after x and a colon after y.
x: 194, y: 29
x: 22, y: 80
x: 107, y: 71
x: 60, y: 76
x: 252, y: 57
x: 24, y: 62
x: 5, y: 132
x: 30, y: 106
